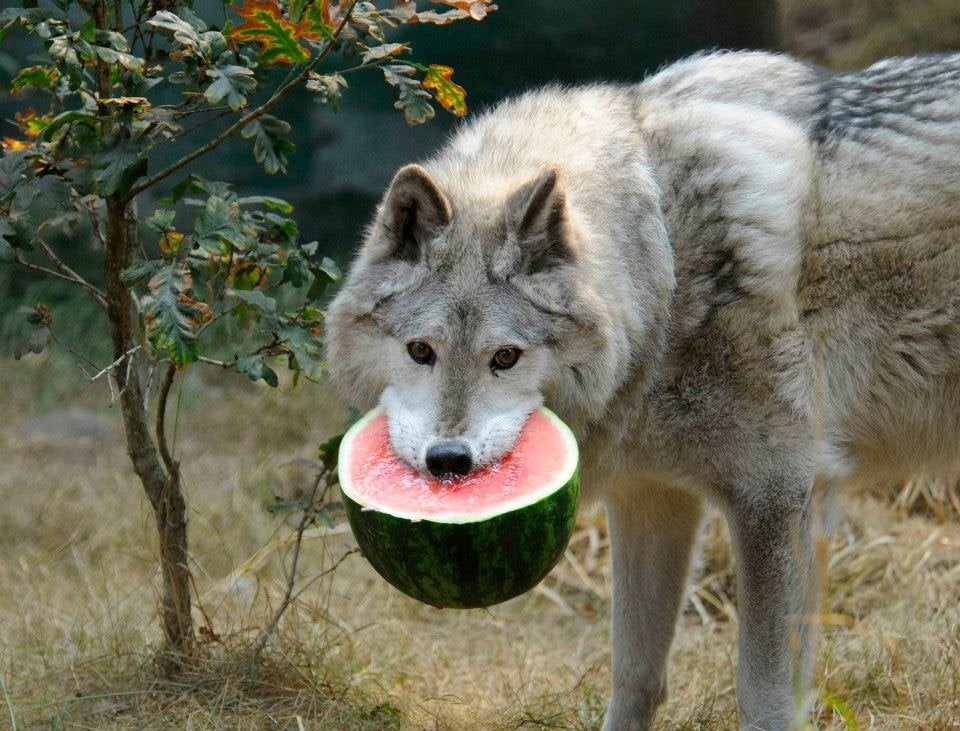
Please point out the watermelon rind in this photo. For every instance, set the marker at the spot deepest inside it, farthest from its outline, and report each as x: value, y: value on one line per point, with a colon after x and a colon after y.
x: 468, y: 561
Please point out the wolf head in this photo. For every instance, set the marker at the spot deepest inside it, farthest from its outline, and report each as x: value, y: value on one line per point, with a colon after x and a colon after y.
x: 461, y: 312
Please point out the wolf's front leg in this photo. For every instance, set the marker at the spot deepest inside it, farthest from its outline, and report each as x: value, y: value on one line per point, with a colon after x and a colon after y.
x: 777, y: 597
x: 652, y: 533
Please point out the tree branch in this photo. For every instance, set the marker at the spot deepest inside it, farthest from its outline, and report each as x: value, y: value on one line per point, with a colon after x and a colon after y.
x: 168, y: 462
x: 219, y: 363
x: 76, y: 279
x: 70, y: 350
x: 62, y: 266
x: 278, y: 95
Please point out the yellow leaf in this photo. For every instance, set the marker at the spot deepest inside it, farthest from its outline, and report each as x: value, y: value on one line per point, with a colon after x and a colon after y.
x: 30, y: 124
x: 451, y: 96
x: 170, y: 241
x: 10, y: 144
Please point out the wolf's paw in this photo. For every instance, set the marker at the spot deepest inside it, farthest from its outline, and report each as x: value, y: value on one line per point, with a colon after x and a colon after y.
x: 634, y: 711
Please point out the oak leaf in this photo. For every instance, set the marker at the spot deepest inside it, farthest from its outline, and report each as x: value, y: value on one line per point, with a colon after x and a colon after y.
x: 406, y: 10
x: 280, y: 37
x: 451, y: 96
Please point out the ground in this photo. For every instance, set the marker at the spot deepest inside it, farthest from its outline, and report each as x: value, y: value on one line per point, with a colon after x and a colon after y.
x: 78, y: 567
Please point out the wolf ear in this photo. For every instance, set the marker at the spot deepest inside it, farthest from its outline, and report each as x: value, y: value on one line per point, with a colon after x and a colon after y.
x: 413, y: 210
x: 537, y: 217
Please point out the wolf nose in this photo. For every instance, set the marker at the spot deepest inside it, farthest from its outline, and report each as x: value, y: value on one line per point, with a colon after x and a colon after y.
x: 449, y: 458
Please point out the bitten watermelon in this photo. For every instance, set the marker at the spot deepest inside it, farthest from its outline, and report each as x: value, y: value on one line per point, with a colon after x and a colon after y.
x: 466, y: 542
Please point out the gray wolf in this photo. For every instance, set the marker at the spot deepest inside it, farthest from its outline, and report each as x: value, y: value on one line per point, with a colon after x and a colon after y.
x: 738, y: 281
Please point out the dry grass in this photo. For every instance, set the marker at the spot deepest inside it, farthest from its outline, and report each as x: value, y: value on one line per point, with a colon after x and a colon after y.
x: 77, y: 614
x: 79, y: 579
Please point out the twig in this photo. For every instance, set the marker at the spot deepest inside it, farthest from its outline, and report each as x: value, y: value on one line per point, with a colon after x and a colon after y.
x: 323, y: 573
x: 59, y: 264
x: 188, y: 112
x: 95, y: 224
x: 114, y: 394
x: 190, y: 130
x: 161, y: 418
x: 148, y: 385
x: 113, y: 365
x: 97, y: 295
x: 278, y: 95
x: 70, y: 350
x: 308, y: 516
x: 220, y: 363
x: 6, y: 698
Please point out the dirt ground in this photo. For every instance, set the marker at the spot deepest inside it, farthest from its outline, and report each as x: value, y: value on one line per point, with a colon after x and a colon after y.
x: 79, y: 577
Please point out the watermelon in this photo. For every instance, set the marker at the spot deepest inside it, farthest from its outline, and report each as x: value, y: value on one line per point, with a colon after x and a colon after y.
x: 465, y: 542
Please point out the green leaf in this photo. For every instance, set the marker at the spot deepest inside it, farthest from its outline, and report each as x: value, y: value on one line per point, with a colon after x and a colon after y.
x: 138, y: 271
x: 219, y: 222
x: 270, y: 149
x: 296, y: 9
x: 128, y: 61
x: 328, y: 88
x: 231, y: 83
x: 306, y: 346
x: 71, y: 117
x: 161, y: 220
x: 117, y: 169
x: 190, y: 184
x: 88, y: 29
x: 267, y: 306
x: 111, y: 39
x: 329, y: 267
x: 190, y: 34
x: 37, y: 77
x: 255, y: 369
x: 325, y: 274
x: 38, y: 205
x: 296, y: 271
x: 277, y: 204
x: 263, y: 24
x: 329, y: 451
x: 414, y: 100
x: 283, y: 507
x: 71, y: 50
x: 183, y: 32
x: 171, y: 316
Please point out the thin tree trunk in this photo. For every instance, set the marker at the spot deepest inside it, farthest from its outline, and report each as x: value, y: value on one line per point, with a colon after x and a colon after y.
x: 162, y: 486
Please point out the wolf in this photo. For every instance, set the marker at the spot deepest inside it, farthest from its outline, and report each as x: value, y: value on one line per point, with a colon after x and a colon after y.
x: 737, y: 280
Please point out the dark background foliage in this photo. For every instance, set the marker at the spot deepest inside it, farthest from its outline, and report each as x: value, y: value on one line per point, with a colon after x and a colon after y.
x: 344, y: 160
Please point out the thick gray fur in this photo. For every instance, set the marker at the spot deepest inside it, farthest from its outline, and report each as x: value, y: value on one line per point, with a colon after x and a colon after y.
x: 738, y: 281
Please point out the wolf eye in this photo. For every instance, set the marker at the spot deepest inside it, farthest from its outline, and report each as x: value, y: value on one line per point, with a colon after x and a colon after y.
x: 505, y: 358
x: 421, y: 352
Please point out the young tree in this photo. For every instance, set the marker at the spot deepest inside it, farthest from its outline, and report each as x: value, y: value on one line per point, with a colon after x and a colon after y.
x: 125, y: 81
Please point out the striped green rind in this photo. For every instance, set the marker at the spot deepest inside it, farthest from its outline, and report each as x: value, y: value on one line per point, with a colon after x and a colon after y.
x: 468, y: 565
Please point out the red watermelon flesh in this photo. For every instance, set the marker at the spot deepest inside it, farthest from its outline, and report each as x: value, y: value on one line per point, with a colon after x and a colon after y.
x: 386, y: 483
